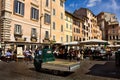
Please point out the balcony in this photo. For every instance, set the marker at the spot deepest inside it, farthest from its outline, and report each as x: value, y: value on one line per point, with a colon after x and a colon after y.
x: 18, y: 34
x: 33, y: 35
x: 46, y: 38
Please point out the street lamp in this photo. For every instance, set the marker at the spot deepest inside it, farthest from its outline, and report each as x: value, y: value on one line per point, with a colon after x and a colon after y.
x: 40, y: 27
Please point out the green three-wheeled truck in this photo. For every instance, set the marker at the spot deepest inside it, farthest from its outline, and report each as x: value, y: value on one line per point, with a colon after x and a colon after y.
x: 47, y: 61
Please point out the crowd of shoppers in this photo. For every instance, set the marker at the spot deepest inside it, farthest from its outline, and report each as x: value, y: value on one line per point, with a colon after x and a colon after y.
x: 62, y: 52
x: 71, y: 54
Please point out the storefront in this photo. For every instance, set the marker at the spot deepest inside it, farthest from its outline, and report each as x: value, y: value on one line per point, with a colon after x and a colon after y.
x: 19, y: 46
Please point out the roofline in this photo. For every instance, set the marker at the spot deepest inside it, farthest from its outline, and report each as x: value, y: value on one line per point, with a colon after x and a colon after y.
x: 88, y: 10
x: 73, y: 16
x: 105, y: 12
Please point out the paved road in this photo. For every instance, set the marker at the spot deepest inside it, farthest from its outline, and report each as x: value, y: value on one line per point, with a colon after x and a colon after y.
x: 89, y: 70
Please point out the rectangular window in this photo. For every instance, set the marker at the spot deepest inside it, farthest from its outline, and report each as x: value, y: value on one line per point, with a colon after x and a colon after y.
x: 54, y: 25
x: 54, y: 37
x: 117, y: 37
x: 46, y: 34
x: 18, y: 29
x: 53, y: 11
x: 61, y: 3
x: 33, y: 32
x: 47, y: 18
x: 47, y: 3
x: 66, y: 38
x: 61, y: 39
x: 18, y: 7
x: 61, y: 28
x: 34, y: 13
x: 66, y: 25
x: 61, y: 15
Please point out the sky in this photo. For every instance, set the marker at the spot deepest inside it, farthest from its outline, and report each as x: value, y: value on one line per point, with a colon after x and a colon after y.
x: 96, y: 6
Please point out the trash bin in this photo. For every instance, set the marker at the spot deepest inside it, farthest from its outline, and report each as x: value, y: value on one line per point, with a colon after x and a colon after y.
x: 117, y: 58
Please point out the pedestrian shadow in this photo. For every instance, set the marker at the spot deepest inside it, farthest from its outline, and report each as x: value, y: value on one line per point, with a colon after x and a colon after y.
x: 108, y: 69
x: 53, y: 72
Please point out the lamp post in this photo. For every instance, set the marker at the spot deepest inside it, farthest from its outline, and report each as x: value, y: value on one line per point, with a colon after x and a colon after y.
x: 40, y: 27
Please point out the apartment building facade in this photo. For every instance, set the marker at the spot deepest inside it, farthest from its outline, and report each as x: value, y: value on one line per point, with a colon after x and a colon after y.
x: 104, y: 19
x: 113, y: 33
x: 68, y: 27
x: 58, y: 21
x: 77, y: 29
x: 27, y: 23
x: 110, y: 26
x: 90, y: 28
x: 20, y: 23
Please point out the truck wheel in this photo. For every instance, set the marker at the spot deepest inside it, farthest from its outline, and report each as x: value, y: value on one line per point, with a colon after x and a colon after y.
x: 37, y: 65
x: 55, y: 72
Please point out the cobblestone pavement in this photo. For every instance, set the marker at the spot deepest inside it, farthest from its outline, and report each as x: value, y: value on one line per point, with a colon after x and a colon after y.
x: 89, y: 70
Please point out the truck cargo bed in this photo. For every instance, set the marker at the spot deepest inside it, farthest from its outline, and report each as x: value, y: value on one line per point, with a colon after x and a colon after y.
x: 61, y: 65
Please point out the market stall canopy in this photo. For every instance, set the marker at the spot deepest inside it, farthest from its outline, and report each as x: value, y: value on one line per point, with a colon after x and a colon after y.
x: 94, y: 41
x: 114, y: 46
x: 71, y: 43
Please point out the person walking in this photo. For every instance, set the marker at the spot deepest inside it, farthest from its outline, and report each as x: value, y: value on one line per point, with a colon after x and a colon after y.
x: 8, y: 55
x: 82, y: 53
x: 78, y: 55
x: 70, y: 54
x: 28, y: 55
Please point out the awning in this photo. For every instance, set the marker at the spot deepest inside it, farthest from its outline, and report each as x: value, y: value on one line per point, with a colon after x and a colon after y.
x: 94, y: 41
x: 114, y: 46
x: 71, y: 43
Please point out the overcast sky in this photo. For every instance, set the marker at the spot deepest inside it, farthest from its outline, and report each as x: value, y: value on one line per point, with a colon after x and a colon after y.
x: 96, y: 6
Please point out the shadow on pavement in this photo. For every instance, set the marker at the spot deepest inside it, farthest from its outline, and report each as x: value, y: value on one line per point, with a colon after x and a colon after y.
x: 106, y: 70
x: 53, y: 72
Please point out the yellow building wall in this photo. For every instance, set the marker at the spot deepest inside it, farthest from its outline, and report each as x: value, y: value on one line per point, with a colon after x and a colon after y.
x: 58, y: 21
x: 68, y: 30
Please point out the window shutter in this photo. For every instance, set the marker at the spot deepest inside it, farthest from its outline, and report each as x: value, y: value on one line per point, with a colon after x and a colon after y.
x: 22, y: 8
x: 31, y: 13
x: 37, y: 14
x: 15, y: 6
x: 15, y: 29
x: 45, y: 18
x: 49, y: 19
x: 20, y: 29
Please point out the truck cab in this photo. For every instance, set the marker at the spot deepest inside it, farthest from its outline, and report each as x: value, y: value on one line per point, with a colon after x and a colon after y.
x: 42, y: 56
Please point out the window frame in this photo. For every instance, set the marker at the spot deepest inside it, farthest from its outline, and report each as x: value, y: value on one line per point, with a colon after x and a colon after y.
x: 62, y: 28
x: 34, y: 13
x: 33, y: 32
x: 19, y: 7
x: 46, y: 34
x: 47, y: 3
x: 18, y: 29
x: 54, y: 25
x: 54, y: 12
x: 47, y: 18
